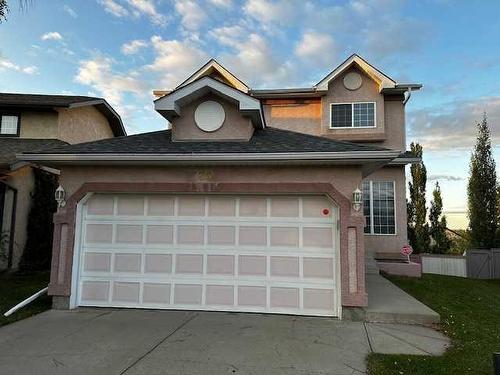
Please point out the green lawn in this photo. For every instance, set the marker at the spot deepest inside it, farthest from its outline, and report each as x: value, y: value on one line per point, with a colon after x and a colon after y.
x: 16, y: 287
x: 470, y: 316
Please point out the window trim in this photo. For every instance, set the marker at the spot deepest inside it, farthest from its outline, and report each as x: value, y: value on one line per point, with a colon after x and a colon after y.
x: 352, y: 116
x: 11, y: 113
x: 371, y: 211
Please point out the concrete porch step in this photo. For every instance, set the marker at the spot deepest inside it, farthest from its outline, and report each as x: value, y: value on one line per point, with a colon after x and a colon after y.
x: 389, y: 304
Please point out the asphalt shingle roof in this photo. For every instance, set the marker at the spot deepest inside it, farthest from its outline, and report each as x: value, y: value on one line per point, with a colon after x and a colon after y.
x: 9, y: 147
x: 39, y: 101
x: 20, y: 100
x: 269, y: 140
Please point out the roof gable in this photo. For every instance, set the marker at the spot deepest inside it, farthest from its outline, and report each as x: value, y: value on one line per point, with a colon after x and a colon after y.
x: 380, y: 78
x: 215, y: 70
x: 169, y: 106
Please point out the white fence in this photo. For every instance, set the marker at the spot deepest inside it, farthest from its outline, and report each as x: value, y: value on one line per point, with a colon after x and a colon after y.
x: 450, y: 265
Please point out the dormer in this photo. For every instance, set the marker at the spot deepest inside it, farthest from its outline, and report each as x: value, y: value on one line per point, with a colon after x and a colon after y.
x: 211, y: 108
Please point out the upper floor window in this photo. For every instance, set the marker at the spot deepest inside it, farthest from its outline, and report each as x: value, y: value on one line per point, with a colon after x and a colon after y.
x: 9, y: 125
x: 352, y: 115
x: 378, y: 207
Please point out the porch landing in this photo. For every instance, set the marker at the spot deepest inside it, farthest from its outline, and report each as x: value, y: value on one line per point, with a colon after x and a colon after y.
x: 389, y: 304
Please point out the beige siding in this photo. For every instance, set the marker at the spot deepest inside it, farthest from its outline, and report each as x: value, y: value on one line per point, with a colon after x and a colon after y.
x: 83, y: 124
x: 38, y: 124
x: 235, y: 126
x: 390, y: 243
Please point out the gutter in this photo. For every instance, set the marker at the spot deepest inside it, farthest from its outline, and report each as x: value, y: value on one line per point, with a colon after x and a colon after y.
x: 215, y: 157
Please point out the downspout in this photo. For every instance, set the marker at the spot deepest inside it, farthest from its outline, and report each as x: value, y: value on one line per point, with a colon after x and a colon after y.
x: 12, y: 225
x: 407, y: 97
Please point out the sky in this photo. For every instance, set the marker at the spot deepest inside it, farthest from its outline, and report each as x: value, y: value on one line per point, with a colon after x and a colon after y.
x: 123, y: 49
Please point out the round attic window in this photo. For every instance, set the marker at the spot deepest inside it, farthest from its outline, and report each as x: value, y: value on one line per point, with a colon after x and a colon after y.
x: 209, y: 116
x: 352, y: 81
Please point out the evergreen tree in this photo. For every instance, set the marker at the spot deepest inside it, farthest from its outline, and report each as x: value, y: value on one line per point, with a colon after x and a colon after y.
x: 497, y: 244
x: 482, y: 190
x: 437, y: 230
x: 37, y: 252
x: 418, y: 229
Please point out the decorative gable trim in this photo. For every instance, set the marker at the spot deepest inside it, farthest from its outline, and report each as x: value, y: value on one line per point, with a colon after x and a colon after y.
x: 209, y: 68
x: 169, y: 106
x: 382, y: 80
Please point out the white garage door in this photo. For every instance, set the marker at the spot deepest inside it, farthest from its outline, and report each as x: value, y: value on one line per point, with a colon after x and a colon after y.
x: 274, y: 254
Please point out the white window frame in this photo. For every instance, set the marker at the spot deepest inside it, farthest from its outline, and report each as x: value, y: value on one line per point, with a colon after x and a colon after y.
x: 10, y: 114
x: 352, y: 116
x: 372, y: 233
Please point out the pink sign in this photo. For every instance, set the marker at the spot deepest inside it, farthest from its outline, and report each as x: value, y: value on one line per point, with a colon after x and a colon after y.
x: 407, y: 250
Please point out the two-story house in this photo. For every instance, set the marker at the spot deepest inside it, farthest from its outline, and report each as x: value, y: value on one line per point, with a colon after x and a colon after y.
x: 250, y: 201
x: 31, y: 122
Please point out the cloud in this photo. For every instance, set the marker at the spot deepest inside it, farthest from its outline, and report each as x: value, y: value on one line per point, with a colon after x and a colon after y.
x: 444, y: 177
x: 192, y: 15
x: 70, y: 11
x: 254, y: 61
x: 147, y: 8
x: 317, y: 49
x: 114, y: 8
x: 175, y: 60
x: 52, y: 35
x: 98, y: 73
x: 9, y: 65
x: 266, y: 11
x: 452, y: 125
x: 230, y: 36
x: 221, y: 3
x: 133, y: 46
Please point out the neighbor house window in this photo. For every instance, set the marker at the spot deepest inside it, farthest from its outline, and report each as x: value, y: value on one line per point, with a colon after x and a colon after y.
x: 352, y: 115
x: 378, y: 207
x: 9, y: 125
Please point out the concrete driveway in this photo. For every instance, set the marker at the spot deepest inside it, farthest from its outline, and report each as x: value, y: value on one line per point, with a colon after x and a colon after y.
x: 97, y: 341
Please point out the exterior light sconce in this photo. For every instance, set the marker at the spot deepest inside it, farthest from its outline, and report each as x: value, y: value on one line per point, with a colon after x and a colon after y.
x: 60, y: 196
x: 357, y: 199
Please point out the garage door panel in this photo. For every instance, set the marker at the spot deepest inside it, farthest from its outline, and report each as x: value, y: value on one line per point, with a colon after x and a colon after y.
x: 130, y: 205
x: 158, y: 263
x: 221, y: 206
x: 230, y: 253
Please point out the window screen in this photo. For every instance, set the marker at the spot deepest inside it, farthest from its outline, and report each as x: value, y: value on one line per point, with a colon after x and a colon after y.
x: 379, y: 207
x: 8, y: 124
x: 341, y: 115
x: 364, y: 114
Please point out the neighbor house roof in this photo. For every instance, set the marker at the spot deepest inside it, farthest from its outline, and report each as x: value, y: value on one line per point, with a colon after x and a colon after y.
x: 39, y: 101
x: 266, y: 144
x: 9, y: 147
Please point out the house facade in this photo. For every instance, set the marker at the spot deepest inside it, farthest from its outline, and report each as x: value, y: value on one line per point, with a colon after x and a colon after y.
x: 33, y: 122
x: 249, y: 202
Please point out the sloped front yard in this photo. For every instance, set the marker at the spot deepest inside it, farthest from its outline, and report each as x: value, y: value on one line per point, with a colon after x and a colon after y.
x: 16, y: 287
x: 470, y: 316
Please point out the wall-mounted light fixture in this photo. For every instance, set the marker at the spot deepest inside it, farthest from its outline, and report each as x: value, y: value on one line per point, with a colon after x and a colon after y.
x: 60, y: 196
x: 357, y: 199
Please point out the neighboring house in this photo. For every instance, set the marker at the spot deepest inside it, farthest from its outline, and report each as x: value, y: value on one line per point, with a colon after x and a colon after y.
x: 245, y: 204
x: 34, y: 122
